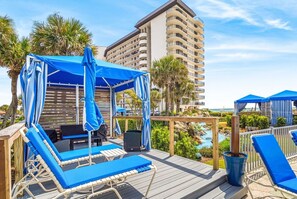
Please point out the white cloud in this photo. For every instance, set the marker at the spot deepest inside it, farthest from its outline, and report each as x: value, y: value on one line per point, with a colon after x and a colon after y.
x: 221, y: 10
x: 278, y: 23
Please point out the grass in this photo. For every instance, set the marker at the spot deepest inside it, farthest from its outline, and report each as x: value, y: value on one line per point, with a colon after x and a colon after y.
x: 221, y: 163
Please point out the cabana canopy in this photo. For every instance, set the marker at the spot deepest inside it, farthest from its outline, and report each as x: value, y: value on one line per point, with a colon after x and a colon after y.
x: 240, y: 104
x: 67, y: 70
x: 284, y: 95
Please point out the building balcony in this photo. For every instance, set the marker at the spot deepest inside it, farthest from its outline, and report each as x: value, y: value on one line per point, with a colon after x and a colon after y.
x: 200, y: 77
x: 200, y: 90
x: 143, y: 35
x: 200, y: 103
x: 200, y: 97
x: 199, y: 70
x: 142, y: 49
x: 142, y: 55
x: 144, y: 41
x: 143, y: 68
x: 143, y: 62
x: 199, y: 83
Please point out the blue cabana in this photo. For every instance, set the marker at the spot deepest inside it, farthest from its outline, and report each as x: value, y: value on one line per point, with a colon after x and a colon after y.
x: 68, y: 71
x: 121, y: 110
x: 281, y: 106
x: 241, y: 103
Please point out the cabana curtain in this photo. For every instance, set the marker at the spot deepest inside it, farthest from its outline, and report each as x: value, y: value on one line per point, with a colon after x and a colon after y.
x: 281, y: 108
x: 142, y: 90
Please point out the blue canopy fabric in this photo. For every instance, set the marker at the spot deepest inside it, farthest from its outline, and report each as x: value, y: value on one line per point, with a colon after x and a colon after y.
x: 117, y: 129
x: 92, y: 118
x: 33, y: 86
x: 68, y: 70
x: 284, y: 95
x: 142, y: 90
x: 240, y: 104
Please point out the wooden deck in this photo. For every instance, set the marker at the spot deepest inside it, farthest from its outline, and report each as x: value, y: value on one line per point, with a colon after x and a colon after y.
x: 176, y: 177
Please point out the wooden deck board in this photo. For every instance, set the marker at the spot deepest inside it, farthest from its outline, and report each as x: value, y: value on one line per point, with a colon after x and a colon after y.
x: 176, y: 177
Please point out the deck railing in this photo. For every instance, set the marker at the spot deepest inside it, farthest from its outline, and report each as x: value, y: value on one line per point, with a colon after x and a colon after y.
x: 213, y: 121
x: 282, y: 136
x: 10, y: 139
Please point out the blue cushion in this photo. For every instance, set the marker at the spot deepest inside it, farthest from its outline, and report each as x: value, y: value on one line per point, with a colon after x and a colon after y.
x: 290, y: 185
x: 43, y: 136
x: 46, y: 155
x: 75, y: 136
x: 91, y: 173
x: 294, y: 136
x: 273, y: 158
x: 69, y: 155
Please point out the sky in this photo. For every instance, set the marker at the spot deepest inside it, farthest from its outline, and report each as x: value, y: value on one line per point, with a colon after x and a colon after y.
x: 250, y: 46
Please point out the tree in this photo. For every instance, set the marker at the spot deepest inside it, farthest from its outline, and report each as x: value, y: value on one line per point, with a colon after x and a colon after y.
x: 155, y: 100
x: 165, y: 73
x: 12, y: 56
x: 59, y: 36
x: 133, y: 101
x: 184, y: 91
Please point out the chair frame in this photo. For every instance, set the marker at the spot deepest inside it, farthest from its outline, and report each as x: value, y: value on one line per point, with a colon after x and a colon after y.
x: 275, y: 187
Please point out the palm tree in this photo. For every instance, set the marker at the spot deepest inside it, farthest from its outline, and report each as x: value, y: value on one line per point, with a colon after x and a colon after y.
x: 59, y: 36
x: 184, y: 92
x: 12, y: 56
x: 165, y: 73
x: 155, y: 99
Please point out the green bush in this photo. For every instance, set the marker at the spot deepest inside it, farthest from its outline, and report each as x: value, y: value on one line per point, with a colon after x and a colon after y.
x: 160, y: 138
x: 263, y: 122
x: 206, y: 152
x: 281, y: 121
x: 186, y: 146
x: 224, y: 145
x: 250, y: 120
x: 132, y: 124
x: 243, y: 121
x: 295, y: 120
x: 228, y: 120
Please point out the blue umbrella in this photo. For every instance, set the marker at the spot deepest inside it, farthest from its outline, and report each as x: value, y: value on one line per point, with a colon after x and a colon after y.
x: 92, y: 118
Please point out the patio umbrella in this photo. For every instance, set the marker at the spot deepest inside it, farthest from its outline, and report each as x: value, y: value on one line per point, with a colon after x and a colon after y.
x: 92, y: 118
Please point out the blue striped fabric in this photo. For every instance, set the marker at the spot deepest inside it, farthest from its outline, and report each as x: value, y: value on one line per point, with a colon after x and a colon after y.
x: 282, y: 108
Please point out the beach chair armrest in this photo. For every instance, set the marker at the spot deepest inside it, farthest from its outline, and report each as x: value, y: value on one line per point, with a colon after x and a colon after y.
x: 62, y: 145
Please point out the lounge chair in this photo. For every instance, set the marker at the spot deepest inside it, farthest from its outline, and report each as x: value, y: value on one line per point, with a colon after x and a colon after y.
x: 79, y: 179
x: 293, y: 134
x: 277, y: 167
x: 75, y: 156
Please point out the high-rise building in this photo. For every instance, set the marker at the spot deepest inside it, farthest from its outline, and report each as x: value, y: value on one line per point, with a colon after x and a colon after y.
x: 172, y: 29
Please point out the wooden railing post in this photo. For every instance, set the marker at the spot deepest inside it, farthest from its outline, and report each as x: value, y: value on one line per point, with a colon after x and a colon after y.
x: 126, y: 125
x: 5, y: 169
x: 18, y: 148
x: 235, y: 135
x: 171, y: 138
x: 215, y: 143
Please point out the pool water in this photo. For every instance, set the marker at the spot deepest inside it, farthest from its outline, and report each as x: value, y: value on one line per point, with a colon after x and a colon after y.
x: 207, y: 138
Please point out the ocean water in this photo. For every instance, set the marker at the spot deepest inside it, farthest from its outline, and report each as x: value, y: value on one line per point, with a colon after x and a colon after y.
x: 207, y: 138
x: 222, y: 109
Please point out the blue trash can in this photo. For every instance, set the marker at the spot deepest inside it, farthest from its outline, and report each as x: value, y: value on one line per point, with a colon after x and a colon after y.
x: 235, y: 168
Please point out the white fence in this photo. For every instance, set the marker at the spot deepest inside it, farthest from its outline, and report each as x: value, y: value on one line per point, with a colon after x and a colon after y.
x: 282, y: 135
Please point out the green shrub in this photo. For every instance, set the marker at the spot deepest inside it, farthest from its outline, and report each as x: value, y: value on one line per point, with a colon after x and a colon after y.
x: 243, y: 121
x: 250, y: 120
x: 160, y: 138
x: 281, y: 121
x: 224, y: 145
x: 263, y: 122
x: 206, y: 152
x: 132, y: 124
x: 186, y: 146
x: 228, y: 120
x: 295, y: 120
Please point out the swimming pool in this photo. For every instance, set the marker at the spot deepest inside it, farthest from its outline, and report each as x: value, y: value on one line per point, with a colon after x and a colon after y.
x: 206, y: 139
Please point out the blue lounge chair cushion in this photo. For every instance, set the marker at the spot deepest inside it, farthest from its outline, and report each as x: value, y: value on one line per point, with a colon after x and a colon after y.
x: 83, y: 175
x: 69, y: 155
x: 294, y: 136
x: 43, y: 151
x: 44, y: 136
x: 290, y: 185
x: 75, y: 136
x: 95, y: 172
x: 273, y: 158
